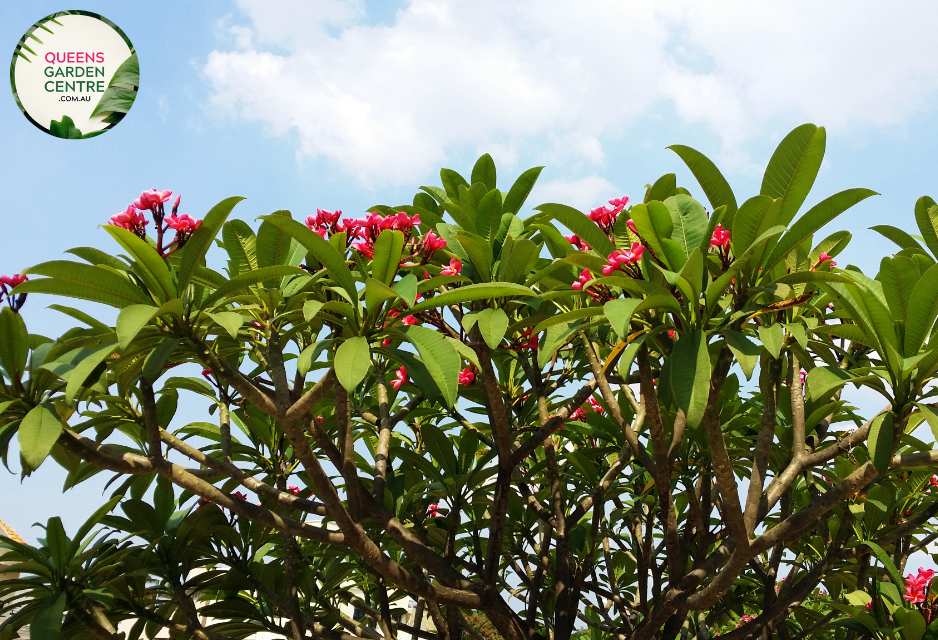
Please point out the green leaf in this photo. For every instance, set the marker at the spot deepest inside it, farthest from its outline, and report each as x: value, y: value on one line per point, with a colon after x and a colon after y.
x: 230, y: 321
x: 914, y: 626
x: 352, y: 362
x: 793, y: 168
x: 489, y: 214
x: 388, y: 249
x: 441, y: 448
x: 772, y: 338
x: 922, y: 312
x: 320, y: 250
x: 78, y: 375
x: 886, y: 559
x: 819, y: 215
x: 38, y: 433
x: 274, y: 245
x: 751, y: 217
x: 155, y: 362
x: 690, y: 222
x: 471, y: 292
x: 77, y: 280
x: 579, y: 224
x: 880, y: 441
x: 484, y: 171
x: 440, y: 358
x: 153, y: 268
x: 620, y: 311
x: 714, y: 185
x: 65, y: 128
x: 406, y: 287
x: 898, y: 276
x: 377, y: 292
x: 14, y: 343
x: 193, y: 254
x: 241, y: 245
x: 690, y: 375
x: 255, y: 277
x: 418, y: 373
x: 451, y: 182
x: 746, y: 351
x: 823, y: 380
x: 310, y: 354
x: 926, y: 216
x: 520, y: 190
x: 555, y: 337
x: 860, y: 622
x: 47, y: 620
x: 89, y: 524
x: 900, y: 237
x: 664, y: 188
x: 797, y: 331
x: 654, y: 225
x: 569, y: 316
x: 131, y: 320
x: 931, y: 416
x: 479, y: 251
x: 514, y: 267
x: 492, y: 325
x: 311, y: 308
x: 931, y: 633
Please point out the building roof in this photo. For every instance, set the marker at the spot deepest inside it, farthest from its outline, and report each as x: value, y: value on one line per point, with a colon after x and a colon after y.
x: 6, y: 531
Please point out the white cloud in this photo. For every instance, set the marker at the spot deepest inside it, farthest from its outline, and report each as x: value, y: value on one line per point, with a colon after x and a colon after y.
x: 389, y: 102
x: 583, y: 194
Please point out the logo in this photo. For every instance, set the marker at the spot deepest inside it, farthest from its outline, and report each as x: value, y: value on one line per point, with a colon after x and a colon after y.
x: 74, y: 74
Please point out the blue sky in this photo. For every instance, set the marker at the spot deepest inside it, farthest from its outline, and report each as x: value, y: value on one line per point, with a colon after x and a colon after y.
x: 342, y: 105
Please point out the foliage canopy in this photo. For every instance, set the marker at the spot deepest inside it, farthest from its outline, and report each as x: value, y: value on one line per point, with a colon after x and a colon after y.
x: 424, y: 405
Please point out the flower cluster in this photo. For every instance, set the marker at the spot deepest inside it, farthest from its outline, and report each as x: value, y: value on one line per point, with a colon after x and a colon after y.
x: 916, y: 585
x: 581, y: 412
x: 133, y: 220
x: 454, y: 268
x: 720, y: 238
x: 7, y: 284
x: 433, y: 511
x: 361, y: 234
x: 744, y: 620
x: 605, y: 216
x: 327, y: 223
x: 622, y: 259
x: 183, y: 224
x: 596, y: 291
x: 467, y: 376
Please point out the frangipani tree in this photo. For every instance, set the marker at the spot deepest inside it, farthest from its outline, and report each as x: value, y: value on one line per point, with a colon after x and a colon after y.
x: 607, y: 431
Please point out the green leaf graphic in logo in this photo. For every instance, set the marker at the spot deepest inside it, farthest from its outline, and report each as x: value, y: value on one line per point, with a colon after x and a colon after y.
x: 121, y: 91
x: 65, y: 129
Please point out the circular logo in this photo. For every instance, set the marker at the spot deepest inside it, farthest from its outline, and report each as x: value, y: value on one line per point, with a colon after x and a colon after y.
x: 74, y: 74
